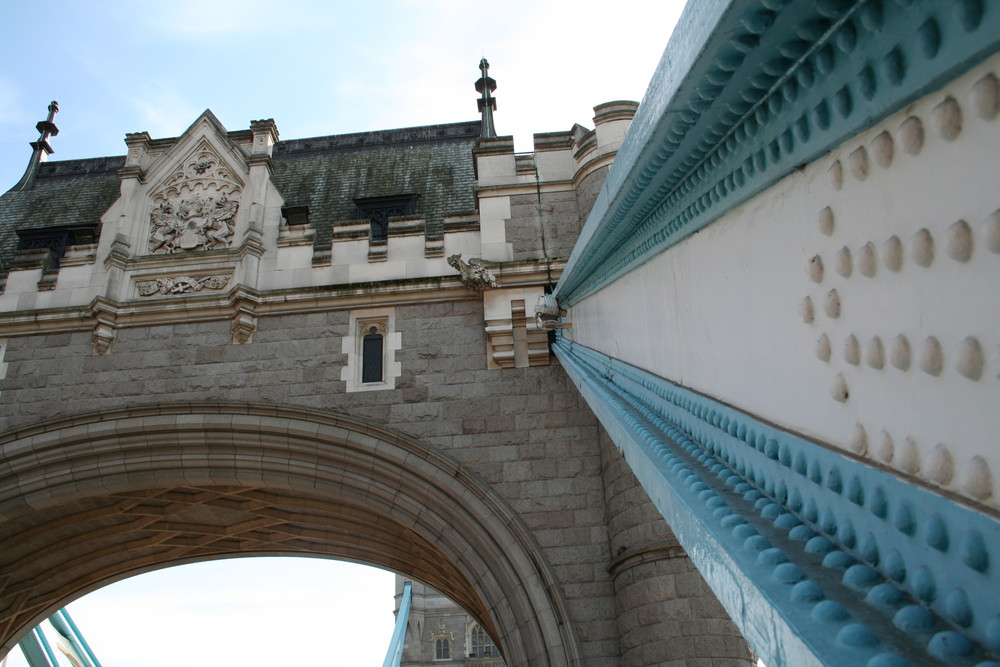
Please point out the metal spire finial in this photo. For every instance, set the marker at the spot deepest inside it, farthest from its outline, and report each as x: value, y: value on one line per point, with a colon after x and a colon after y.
x: 487, y: 103
x: 40, y: 149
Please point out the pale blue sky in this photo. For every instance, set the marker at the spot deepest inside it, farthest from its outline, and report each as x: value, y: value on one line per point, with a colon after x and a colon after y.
x: 317, y: 68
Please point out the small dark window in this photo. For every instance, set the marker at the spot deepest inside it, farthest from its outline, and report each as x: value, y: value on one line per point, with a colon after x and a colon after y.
x: 371, y: 356
x: 442, y: 650
x: 378, y: 210
x: 56, y: 239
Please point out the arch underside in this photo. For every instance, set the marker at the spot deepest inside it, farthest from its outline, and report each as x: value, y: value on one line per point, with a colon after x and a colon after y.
x: 91, y: 500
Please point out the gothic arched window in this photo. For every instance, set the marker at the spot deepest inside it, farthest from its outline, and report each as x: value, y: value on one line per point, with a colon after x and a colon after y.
x: 372, y: 353
x: 481, y: 646
x: 442, y: 649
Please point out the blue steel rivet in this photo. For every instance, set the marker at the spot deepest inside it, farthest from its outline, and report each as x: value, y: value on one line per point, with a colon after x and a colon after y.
x: 973, y: 551
x: 969, y: 13
x: 993, y: 634
x: 894, y: 566
x: 879, y: 505
x: 913, y: 619
x: 772, y: 556
x: 756, y: 543
x: 857, y: 634
x: 788, y: 573
x: 819, y: 545
x: 860, y: 577
x: 743, y: 531
x: 950, y: 644
x: 801, y: 533
x: 929, y: 38
x: 888, y: 660
x: 869, y: 549
x: 904, y: 519
x: 884, y: 595
x: 936, y: 533
x: 957, y: 606
x: 787, y: 521
x: 806, y: 591
x: 923, y: 584
x: 828, y: 610
x: 838, y: 560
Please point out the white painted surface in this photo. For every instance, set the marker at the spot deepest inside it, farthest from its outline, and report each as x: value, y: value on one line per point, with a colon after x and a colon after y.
x: 722, y: 312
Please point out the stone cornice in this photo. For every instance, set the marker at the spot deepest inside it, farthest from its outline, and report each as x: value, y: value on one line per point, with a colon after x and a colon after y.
x: 206, y: 307
x: 748, y: 90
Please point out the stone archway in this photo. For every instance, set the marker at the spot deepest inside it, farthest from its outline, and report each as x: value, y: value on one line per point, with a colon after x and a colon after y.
x: 89, y: 500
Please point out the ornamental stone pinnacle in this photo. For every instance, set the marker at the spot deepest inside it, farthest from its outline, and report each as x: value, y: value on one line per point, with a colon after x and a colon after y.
x: 487, y: 103
x: 40, y: 148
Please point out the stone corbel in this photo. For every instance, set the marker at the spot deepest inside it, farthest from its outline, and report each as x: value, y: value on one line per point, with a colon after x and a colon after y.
x: 513, y: 338
x: 244, y: 322
x: 105, y: 328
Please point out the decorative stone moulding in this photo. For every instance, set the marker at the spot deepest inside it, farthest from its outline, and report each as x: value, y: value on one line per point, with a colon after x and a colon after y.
x: 819, y: 558
x: 181, y: 285
x: 195, y: 207
x: 774, y: 85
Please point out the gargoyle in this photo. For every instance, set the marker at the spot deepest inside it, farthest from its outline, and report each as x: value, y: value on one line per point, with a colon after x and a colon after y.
x: 474, y: 273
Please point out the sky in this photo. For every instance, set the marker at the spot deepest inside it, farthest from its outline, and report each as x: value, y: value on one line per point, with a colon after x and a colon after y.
x: 318, y: 68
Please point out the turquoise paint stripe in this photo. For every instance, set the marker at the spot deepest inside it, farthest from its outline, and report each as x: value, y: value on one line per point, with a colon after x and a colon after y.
x: 833, y: 562
x: 747, y: 91
x: 394, y: 654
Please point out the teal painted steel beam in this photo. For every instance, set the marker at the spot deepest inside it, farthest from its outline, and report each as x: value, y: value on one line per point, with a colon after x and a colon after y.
x: 819, y: 558
x: 37, y: 651
x: 748, y: 90
x: 64, y: 625
x: 395, y: 653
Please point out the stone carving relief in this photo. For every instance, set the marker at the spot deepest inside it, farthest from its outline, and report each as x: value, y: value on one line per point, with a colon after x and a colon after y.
x: 474, y: 273
x: 196, y: 206
x: 181, y: 284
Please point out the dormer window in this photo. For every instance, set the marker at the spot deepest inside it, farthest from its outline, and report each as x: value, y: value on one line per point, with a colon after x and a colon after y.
x: 55, y: 239
x: 378, y: 210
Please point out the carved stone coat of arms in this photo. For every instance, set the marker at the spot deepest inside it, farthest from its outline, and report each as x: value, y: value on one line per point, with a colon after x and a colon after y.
x: 192, y: 224
x: 195, y: 208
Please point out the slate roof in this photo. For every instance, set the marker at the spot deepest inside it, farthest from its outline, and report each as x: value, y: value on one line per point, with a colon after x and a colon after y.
x: 66, y: 193
x: 324, y: 173
x: 328, y: 173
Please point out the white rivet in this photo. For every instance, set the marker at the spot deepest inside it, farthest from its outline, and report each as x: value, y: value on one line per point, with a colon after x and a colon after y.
x: 859, y: 440
x: 826, y: 221
x: 852, y: 351
x: 831, y: 304
x: 991, y: 231
x: 969, y: 358
x: 823, y: 348
x: 939, y: 466
x: 838, y: 390
x: 908, y: 456
x: 929, y: 356
x: 806, y: 311
x: 899, y: 352
x: 867, y: 260
x: 815, y: 269
x: 985, y: 97
x: 884, y: 447
x: 836, y: 175
x: 911, y: 135
x: 892, y: 253
x: 947, y: 118
x: 875, y: 353
x: 960, y: 241
x: 882, y: 149
x: 922, y: 247
x: 842, y: 262
x: 858, y: 162
x: 976, y: 479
